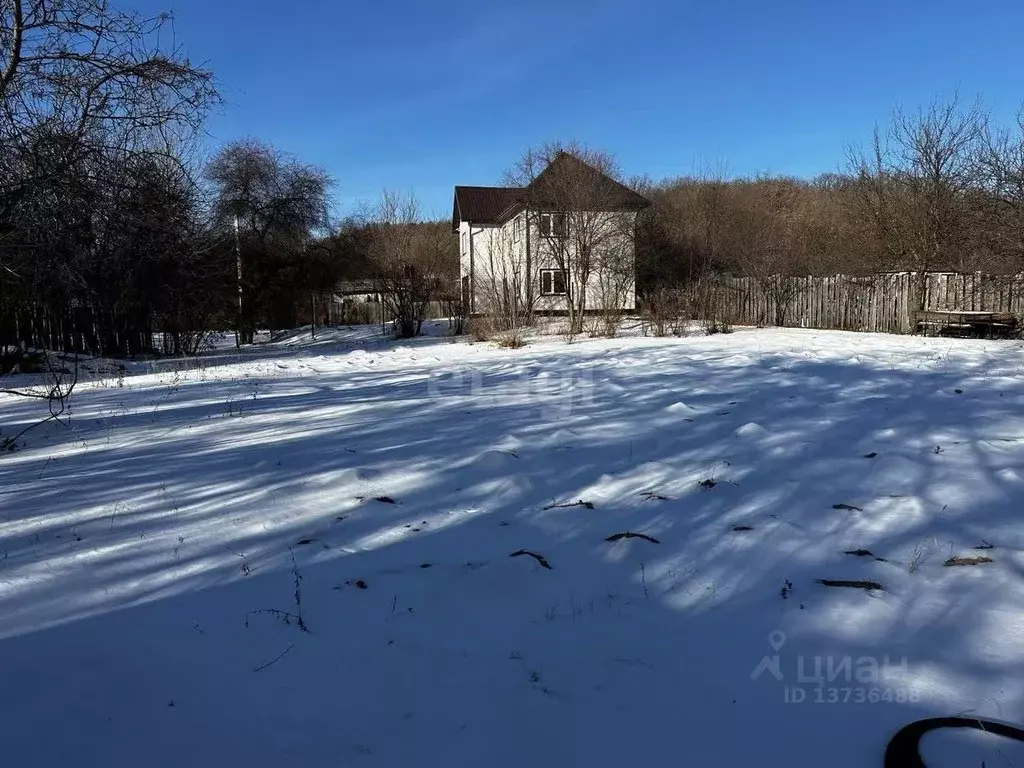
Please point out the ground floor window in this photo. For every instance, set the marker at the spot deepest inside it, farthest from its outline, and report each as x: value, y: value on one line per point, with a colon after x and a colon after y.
x: 552, y: 282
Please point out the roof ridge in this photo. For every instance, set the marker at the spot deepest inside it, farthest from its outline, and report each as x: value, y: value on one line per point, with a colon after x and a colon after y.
x: 494, y: 205
x: 479, y: 186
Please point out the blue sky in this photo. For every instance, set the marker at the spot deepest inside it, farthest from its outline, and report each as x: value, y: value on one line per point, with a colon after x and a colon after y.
x: 422, y: 96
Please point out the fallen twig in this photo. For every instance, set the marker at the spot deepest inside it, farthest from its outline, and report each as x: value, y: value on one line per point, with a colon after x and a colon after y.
x: 275, y: 659
x: 632, y: 535
x: 286, y: 616
x: 854, y: 583
x: 581, y: 503
x: 865, y: 553
x: 539, y: 558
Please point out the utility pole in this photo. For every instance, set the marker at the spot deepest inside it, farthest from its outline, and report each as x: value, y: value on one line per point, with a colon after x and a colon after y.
x: 312, y: 295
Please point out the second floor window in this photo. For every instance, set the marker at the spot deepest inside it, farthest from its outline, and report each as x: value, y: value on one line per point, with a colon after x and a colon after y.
x: 517, y: 226
x: 553, y: 225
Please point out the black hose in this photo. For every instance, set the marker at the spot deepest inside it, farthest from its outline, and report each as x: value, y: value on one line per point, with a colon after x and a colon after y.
x: 904, y: 748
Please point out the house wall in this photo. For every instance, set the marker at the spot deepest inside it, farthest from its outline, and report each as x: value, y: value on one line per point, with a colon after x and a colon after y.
x: 498, y: 263
x: 620, y: 247
x: 494, y: 259
x: 501, y: 270
x: 465, y: 268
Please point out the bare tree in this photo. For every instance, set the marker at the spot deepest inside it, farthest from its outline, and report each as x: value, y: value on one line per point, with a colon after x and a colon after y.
x: 915, y: 185
x: 694, y: 215
x: 94, y: 111
x: 575, y: 205
x: 615, y: 273
x: 770, y: 254
x: 268, y: 207
x: 503, y: 280
x: 1000, y: 163
x: 94, y: 76
x: 412, y: 262
x: 55, y: 389
x: 939, y: 188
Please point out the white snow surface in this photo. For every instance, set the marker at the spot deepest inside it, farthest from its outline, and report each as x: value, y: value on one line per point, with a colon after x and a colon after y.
x: 141, y: 546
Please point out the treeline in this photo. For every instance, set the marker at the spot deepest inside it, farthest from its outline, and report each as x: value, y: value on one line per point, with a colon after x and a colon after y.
x: 116, y: 236
x: 97, y: 202
x: 941, y: 189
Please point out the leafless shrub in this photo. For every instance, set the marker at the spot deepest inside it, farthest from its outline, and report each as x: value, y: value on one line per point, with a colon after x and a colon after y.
x: 923, y: 552
x: 481, y: 328
x: 413, y: 262
x: 615, y: 273
x: 593, y: 326
x: 664, y: 312
x: 712, y: 305
x: 514, y: 339
x: 457, y: 321
x: 503, y: 280
x: 612, y: 318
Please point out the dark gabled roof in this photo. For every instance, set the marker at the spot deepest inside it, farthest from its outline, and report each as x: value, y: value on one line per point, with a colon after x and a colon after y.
x: 585, y: 186
x: 483, y: 205
x: 589, y: 189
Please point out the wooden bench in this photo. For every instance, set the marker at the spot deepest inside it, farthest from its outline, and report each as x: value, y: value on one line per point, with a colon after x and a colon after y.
x: 963, y: 322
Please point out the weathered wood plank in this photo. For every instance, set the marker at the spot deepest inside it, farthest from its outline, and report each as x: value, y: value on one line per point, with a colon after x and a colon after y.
x: 888, y: 303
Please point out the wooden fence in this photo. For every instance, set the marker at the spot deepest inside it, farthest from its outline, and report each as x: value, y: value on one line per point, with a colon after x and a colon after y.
x: 73, y: 329
x: 350, y: 311
x: 882, y: 303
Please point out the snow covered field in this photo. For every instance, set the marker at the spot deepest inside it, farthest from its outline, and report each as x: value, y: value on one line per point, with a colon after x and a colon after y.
x: 149, y: 555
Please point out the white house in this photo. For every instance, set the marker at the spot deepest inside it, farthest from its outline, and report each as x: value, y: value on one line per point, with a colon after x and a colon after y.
x: 567, y: 237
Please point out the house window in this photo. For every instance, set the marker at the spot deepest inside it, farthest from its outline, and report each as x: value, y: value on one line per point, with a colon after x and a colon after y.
x: 552, y: 282
x: 463, y: 243
x: 553, y: 225
x: 517, y: 225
